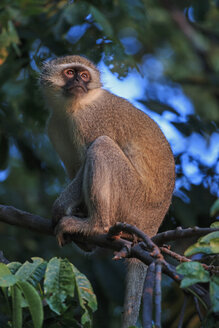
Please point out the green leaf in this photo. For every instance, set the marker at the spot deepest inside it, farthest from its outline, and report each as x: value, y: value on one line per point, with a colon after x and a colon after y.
x: 14, y: 266
x: 87, y: 298
x: 14, y: 38
x: 215, y: 224
x: 7, y: 280
x: 214, y: 293
x: 16, y: 307
x: 193, y: 273
x: 34, y: 303
x: 215, y: 208
x: 4, y: 269
x: 209, y: 237
x: 208, y: 244
x: 6, y: 277
x: 59, y: 283
x: 32, y: 272
x: 102, y: 21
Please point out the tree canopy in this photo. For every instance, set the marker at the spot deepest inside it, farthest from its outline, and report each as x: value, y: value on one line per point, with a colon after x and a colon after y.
x: 172, y: 49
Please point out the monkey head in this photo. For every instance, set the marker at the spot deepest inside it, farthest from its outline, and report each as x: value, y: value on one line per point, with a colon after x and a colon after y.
x: 69, y: 76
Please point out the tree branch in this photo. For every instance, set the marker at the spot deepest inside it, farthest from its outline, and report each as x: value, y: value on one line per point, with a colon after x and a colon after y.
x: 145, y: 250
x: 14, y: 216
x: 212, y: 268
x: 179, y: 232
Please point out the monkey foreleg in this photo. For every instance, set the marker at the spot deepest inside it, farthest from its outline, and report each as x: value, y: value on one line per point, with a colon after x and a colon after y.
x: 69, y: 201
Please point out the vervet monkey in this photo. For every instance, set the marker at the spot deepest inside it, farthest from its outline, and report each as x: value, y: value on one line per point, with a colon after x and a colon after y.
x: 120, y: 164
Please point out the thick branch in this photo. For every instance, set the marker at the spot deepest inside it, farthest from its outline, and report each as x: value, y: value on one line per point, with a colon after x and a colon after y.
x: 212, y: 268
x: 14, y: 216
x: 179, y: 232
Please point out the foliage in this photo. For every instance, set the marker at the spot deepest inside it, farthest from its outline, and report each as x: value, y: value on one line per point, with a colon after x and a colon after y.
x: 53, y: 291
x: 174, y: 46
x: 215, y: 209
x: 194, y: 272
x: 208, y: 244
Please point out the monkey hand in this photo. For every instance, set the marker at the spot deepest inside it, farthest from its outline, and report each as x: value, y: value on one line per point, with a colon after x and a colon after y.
x: 58, y: 211
x: 60, y: 232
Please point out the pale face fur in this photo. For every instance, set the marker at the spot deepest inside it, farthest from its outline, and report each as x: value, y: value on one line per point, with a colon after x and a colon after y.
x: 53, y: 81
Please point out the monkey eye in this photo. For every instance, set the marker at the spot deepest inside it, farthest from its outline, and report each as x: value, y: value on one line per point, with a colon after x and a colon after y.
x: 85, y: 76
x: 69, y: 72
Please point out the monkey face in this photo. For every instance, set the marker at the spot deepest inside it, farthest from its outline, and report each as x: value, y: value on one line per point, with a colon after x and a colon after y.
x: 76, y: 81
x: 68, y: 78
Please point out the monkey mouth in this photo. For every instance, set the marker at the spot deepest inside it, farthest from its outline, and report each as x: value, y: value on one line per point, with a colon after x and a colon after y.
x: 79, y: 89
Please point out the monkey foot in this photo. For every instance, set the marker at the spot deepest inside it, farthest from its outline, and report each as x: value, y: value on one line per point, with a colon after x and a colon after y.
x: 70, y: 225
x: 62, y: 231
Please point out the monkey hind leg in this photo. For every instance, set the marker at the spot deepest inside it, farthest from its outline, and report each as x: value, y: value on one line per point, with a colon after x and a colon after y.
x: 110, y: 185
x: 133, y: 294
x: 110, y: 190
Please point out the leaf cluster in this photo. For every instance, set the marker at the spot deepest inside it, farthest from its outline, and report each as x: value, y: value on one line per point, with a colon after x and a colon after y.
x: 54, y: 292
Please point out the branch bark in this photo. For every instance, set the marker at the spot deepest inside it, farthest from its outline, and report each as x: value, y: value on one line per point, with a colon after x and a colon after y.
x: 13, y: 216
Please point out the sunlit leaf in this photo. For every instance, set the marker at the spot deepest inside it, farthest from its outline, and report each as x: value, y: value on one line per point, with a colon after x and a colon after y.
x: 215, y: 209
x: 208, y: 244
x: 6, y: 277
x: 193, y: 273
x: 215, y: 225
x: 3, y: 55
x: 4, y: 269
x: 209, y: 237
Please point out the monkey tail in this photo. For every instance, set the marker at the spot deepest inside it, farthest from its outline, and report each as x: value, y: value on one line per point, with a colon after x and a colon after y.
x: 134, y: 287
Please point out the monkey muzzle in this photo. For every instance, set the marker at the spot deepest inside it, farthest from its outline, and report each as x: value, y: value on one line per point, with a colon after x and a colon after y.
x: 75, y: 87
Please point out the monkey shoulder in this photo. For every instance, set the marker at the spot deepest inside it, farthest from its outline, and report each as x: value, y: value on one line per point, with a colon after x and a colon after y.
x: 131, y: 118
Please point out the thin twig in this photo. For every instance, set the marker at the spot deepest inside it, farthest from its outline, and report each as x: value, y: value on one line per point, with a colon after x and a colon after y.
x: 179, y: 232
x: 148, y: 296
x: 181, y: 258
x: 182, y: 313
x: 198, y: 309
x: 158, y: 295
